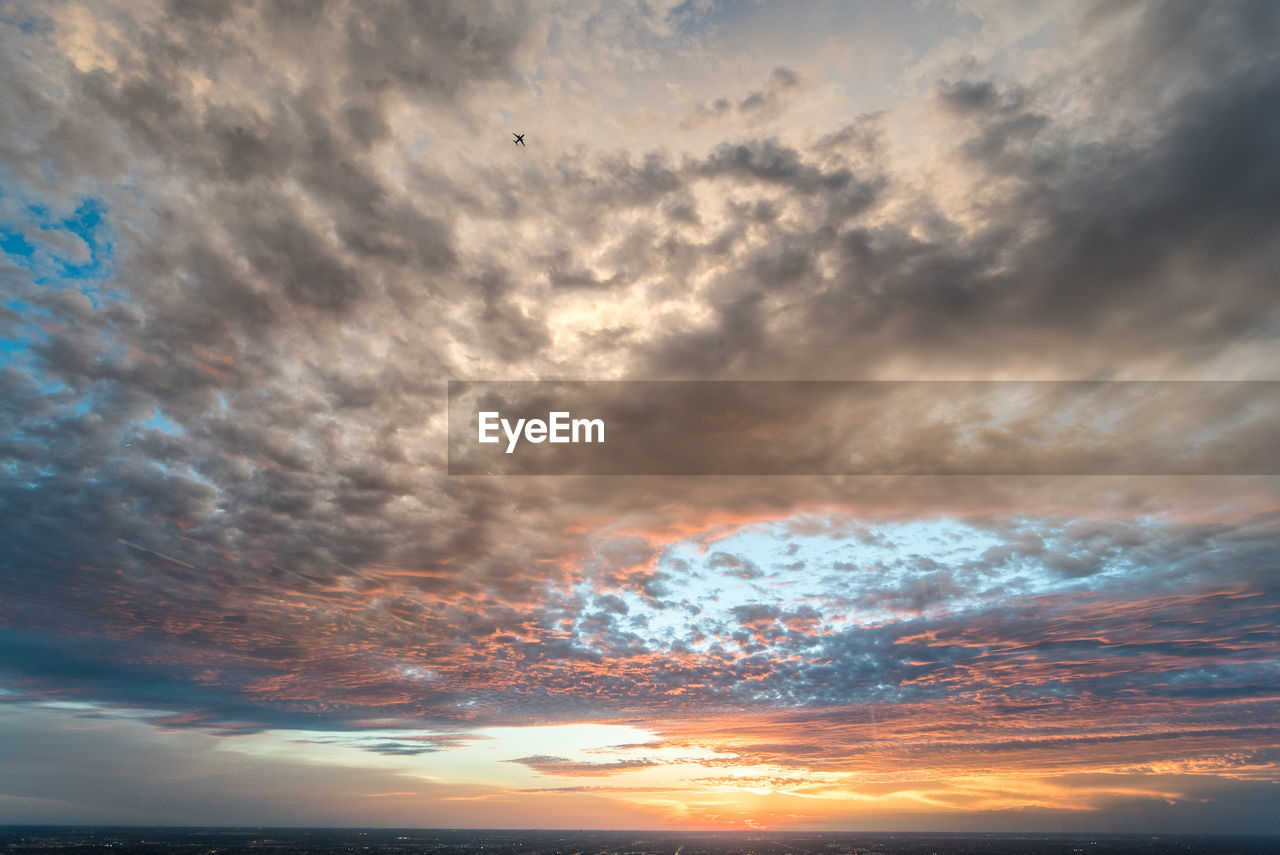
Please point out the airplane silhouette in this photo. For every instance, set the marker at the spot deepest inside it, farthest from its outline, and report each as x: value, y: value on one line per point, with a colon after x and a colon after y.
x: 519, y: 139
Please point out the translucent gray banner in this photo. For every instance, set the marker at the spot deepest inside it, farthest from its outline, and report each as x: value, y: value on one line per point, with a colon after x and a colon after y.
x: 642, y: 427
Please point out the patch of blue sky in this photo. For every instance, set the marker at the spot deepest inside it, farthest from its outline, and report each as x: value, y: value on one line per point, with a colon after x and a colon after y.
x: 14, y: 243
x: 18, y: 337
x: 159, y: 421
x: 46, y: 249
x: 11, y: 349
x: 60, y: 251
x: 88, y: 223
x: 853, y: 574
x: 27, y: 328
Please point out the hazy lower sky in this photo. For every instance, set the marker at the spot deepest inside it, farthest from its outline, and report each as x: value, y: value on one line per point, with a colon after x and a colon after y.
x: 244, y: 246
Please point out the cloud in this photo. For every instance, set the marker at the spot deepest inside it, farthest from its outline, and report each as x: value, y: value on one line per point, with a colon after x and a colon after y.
x: 766, y: 102
x: 222, y: 401
x: 548, y: 765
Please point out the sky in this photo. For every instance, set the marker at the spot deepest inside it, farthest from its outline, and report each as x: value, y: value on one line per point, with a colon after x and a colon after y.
x: 245, y: 246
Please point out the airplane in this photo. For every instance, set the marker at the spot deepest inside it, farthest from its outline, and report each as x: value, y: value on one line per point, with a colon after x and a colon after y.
x: 519, y: 139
